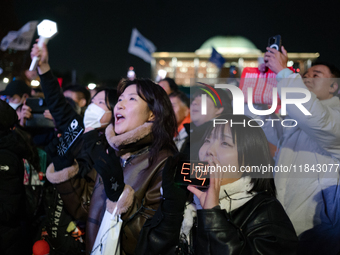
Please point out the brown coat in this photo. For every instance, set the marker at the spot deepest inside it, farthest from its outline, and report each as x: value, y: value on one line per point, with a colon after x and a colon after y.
x: 141, y: 196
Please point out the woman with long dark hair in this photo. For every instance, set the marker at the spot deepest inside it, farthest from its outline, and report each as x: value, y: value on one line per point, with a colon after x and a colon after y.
x: 141, y: 140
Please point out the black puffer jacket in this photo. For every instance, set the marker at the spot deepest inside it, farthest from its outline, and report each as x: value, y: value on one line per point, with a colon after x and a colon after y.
x: 260, y: 226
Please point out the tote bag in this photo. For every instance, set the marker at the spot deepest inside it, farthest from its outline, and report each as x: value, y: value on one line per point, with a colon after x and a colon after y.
x: 108, y: 237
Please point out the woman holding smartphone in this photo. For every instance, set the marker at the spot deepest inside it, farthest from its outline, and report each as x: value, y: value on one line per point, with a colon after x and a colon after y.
x: 239, y: 212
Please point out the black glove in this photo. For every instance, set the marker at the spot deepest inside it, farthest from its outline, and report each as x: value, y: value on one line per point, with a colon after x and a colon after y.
x: 109, y: 168
x: 61, y: 162
x: 175, y: 196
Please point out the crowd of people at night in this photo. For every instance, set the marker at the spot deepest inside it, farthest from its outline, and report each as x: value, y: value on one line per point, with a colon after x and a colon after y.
x: 114, y: 156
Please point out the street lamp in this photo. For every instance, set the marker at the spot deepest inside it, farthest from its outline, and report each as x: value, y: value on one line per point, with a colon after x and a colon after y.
x: 46, y: 30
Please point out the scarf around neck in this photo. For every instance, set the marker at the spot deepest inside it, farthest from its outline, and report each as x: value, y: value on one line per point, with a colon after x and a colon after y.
x: 127, y: 143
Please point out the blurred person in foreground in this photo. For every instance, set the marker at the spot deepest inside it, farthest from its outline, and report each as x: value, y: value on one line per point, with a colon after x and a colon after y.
x: 12, y: 192
x: 181, y: 105
x: 311, y: 199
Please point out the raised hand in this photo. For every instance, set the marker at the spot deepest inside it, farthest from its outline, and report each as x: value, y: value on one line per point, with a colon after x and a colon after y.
x: 24, y: 114
x: 210, y: 198
x: 42, y: 54
x: 275, y: 60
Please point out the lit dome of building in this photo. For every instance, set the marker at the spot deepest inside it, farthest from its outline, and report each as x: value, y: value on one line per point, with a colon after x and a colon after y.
x: 228, y: 45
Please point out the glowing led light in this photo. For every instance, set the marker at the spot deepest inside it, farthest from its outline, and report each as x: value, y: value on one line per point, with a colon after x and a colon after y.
x: 91, y: 86
x: 46, y: 30
x: 35, y: 83
x: 5, y: 80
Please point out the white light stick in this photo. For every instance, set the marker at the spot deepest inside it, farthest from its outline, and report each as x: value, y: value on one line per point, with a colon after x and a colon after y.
x: 46, y: 30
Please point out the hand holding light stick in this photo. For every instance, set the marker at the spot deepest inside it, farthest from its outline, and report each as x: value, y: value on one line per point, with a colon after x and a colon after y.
x: 46, y: 30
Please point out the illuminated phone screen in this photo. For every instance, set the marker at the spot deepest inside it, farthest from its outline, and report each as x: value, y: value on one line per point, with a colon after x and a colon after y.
x: 192, y: 173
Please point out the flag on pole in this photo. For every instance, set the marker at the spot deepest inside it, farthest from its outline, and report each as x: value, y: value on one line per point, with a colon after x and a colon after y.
x: 217, y: 58
x: 19, y: 40
x: 140, y: 46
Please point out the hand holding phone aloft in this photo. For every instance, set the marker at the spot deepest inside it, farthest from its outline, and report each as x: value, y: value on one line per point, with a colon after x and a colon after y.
x: 275, y: 60
x: 275, y: 42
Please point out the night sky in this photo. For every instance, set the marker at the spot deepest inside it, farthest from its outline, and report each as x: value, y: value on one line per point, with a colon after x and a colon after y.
x: 94, y: 35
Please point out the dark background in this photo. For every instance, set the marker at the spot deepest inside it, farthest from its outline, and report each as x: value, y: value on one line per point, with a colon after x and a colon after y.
x: 94, y: 35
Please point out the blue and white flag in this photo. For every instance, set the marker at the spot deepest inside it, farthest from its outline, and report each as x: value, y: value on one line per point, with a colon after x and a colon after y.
x: 217, y: 58
x: 19, y: 40
x: 140, y: 46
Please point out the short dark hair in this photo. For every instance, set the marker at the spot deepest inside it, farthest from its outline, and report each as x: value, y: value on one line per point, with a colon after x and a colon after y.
x: 332, y: 68
x: 79, y: 89
x: 182, y: 96
x: 252, y: 149
x: 172, y: 84
x: 164, y: 125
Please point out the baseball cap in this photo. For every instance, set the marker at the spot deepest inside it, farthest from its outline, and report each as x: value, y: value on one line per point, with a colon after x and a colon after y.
x: 16, y: 87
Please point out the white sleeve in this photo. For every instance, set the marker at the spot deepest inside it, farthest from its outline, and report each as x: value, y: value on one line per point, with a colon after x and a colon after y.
x: 323, y: 124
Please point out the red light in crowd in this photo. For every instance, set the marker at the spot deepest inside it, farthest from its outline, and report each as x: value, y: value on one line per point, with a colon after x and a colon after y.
x: 60, y: 80
x: 234, y: 72
x: 298, y: 70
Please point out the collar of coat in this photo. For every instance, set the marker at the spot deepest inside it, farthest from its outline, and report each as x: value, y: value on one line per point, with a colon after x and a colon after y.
x: 130, y: 141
